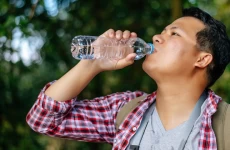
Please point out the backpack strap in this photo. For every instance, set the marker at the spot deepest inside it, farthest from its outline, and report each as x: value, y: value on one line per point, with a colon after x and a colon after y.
x: 126, y: 109
x: 221, y: 125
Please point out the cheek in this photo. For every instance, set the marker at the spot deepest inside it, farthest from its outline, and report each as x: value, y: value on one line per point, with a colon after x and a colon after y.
x: 175, y: 48
x: 175, y: 57
x: 175, y: 52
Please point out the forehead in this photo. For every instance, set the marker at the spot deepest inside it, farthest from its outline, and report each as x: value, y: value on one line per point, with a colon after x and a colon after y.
x: 190, y: 25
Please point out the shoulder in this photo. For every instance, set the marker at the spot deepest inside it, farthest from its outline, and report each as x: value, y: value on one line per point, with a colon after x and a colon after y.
x: 125, y: 96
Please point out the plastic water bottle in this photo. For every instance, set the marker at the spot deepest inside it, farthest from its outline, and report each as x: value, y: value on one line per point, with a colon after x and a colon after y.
x: 93, y: 47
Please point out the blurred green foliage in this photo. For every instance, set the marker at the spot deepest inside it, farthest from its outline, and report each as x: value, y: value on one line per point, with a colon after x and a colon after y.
x: 35, y: 39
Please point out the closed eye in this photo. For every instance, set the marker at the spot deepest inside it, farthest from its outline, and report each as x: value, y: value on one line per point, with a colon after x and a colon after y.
x: 175, y: 33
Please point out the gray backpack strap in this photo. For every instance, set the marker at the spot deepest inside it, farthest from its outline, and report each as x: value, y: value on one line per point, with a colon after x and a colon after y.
x: 126, y: 109
x: 135, y: 141
x: 221, y: 125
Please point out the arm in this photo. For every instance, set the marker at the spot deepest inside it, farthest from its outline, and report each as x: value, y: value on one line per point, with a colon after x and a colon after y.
x: 73, y: 82
x: 57, y: 113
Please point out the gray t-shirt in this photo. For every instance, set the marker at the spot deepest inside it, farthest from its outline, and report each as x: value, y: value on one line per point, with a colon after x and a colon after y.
x: 157, y: 138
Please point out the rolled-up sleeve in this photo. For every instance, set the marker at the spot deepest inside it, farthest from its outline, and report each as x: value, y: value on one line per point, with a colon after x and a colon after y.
x: 86, y: 120
x: 47, y: 113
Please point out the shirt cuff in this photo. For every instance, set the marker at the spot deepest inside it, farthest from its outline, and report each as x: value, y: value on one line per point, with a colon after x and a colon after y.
x: 49, y: 104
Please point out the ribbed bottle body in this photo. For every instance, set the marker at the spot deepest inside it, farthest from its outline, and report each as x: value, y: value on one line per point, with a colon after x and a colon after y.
x: 93, y: 47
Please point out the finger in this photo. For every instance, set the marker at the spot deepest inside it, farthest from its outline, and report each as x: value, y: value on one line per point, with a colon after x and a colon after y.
x: 128, y: 60
x: 133, y: 34
x: 118, y: 34
x: 126, y: 34
x: 130, y: 57
x: 109, y: 33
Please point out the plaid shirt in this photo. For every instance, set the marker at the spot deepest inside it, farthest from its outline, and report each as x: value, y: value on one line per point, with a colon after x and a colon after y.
x: 94, y: 120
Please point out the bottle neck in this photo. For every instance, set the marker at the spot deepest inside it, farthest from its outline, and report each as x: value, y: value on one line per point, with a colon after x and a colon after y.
x: 150, y: 48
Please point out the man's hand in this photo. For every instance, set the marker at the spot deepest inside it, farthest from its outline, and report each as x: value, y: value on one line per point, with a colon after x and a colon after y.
x: 114, y: 64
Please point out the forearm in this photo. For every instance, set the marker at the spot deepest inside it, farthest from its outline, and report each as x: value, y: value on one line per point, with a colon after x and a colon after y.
x: 73, y: 82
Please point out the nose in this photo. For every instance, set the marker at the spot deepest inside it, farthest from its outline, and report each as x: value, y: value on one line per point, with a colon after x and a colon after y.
x: 158, y: 39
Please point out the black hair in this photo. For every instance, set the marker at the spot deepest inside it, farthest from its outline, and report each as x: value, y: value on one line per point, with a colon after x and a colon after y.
x: 213, y: 39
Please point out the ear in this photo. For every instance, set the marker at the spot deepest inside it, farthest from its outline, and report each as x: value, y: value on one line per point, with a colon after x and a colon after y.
x: 203, y: 60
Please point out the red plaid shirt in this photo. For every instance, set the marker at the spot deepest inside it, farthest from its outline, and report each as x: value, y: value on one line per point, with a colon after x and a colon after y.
x: 94, y: 120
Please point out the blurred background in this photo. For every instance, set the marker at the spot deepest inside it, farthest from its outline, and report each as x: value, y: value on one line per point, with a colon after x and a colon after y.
x: 35, y: 38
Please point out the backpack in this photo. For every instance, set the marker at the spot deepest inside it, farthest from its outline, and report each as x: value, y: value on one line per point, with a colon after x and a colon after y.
x: 220, y: 121
x: 221, y: 126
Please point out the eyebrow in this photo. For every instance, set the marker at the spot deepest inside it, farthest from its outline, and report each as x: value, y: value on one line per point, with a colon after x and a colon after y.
x: 174, y: 27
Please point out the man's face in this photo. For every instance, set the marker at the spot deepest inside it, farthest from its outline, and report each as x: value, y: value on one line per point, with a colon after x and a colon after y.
x: 175, y: 49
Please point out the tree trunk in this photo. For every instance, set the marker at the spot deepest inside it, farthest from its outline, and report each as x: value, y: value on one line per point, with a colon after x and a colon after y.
x: 176, y: 9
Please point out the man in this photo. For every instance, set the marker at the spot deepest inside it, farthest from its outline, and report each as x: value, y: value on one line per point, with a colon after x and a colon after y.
x: 190, y: 55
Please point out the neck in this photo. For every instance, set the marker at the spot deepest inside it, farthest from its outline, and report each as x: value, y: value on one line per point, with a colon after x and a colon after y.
x: 175, y: 101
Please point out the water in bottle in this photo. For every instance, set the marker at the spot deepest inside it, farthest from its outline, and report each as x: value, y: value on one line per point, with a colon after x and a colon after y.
x: 93, y: 47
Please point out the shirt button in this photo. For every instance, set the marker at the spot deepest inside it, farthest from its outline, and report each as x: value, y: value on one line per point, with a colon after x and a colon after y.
x: 134, y: 128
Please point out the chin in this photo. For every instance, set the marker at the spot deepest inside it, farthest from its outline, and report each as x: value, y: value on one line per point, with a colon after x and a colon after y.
x: 146, y: 66
x: 150, y: 69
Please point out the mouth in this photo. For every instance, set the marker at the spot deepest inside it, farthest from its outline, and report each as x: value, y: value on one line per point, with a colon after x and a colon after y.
x: 154, y: 51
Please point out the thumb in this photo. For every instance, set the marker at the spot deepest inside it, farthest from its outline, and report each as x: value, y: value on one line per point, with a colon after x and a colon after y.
x: 128, y: 60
